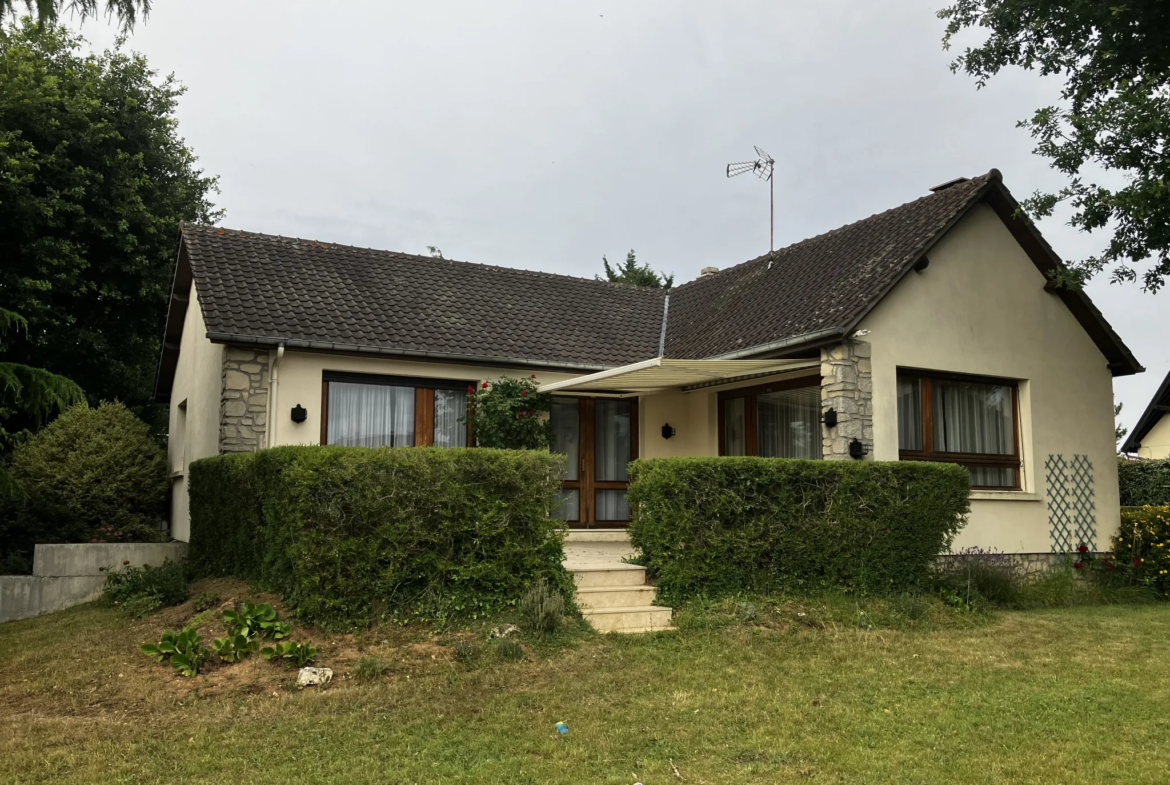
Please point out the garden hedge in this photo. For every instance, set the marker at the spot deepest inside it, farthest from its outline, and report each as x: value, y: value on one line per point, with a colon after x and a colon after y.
x: 347, y: 535
x: 1143, y: 541
x: 717, y: 526
x: 1144, y: 482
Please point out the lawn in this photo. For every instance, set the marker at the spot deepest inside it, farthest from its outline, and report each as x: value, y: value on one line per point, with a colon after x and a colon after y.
x: 1075, y: 695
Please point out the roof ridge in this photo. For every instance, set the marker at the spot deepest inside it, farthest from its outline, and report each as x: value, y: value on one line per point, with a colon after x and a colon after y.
x: 207, y: 228
x: 974, y: 182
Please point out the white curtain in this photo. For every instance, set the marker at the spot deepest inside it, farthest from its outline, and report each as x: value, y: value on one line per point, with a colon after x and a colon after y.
x: 450, y: 418
x: 972, y: 418
x: 909, y: 413
x: 612, y: 450
x: 370, y: 415
x: 566, y: 425
x: 788, y: 424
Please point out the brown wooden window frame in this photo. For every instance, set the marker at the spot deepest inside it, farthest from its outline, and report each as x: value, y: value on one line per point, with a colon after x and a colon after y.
x: 989, y: 460
x: 586, y: 486
x: 424, y: 400
x: 749, y: 394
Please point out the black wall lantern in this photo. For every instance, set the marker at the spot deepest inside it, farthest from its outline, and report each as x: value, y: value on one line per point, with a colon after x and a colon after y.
x: 829, y: 418
x: 857, y: 449
x: 299, y: 413
x: 668, y: 431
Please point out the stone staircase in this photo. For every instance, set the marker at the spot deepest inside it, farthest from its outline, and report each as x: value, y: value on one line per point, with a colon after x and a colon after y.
x: 613, y: 596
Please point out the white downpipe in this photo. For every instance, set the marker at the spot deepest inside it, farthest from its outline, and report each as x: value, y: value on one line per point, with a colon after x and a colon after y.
x: 273, y: 383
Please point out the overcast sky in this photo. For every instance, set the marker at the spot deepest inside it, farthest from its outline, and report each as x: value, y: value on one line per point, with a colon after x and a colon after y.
x: 543, y: 135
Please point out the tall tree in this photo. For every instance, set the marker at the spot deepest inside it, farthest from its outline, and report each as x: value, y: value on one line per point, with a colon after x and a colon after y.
x: 127, y: 12
x: 94, y: 181
x: 637, y: 274
x: 1114, y: 115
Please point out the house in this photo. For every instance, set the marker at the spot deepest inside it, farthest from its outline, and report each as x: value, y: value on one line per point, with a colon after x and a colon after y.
x: 1150, y: 438
x: 927, y: 332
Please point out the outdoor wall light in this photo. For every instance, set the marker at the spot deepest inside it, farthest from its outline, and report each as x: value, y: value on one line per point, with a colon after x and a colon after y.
x: 857, y: 449
x: 829, y: 418
x: 299, y: 413
x: 668, y: 431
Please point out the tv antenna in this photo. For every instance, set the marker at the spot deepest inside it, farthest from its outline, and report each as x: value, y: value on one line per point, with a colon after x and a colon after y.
x: 762, y: 167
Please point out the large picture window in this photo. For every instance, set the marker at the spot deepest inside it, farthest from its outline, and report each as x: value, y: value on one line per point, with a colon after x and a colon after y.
x: 778, y: 420
x: 360, y: 410
x: 972, y: 421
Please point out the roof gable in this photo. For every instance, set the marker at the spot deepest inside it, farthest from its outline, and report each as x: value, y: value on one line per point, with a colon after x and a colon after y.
x: 1158, y: 407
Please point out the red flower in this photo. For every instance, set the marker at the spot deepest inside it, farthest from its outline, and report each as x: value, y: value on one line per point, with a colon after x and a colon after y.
x: 532, y: 414
x: 523, y: 393
x: 485, y: 385
x: 533, y: 376
x: 470, y: 389
x: 1083, y: 549
x: 1137, y: 562
x: 1078, y: 565
x: 1109, y: 565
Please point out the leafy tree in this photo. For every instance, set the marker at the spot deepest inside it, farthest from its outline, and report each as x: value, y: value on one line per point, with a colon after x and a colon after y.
x: 94, y: 181
x: 1115, y: 115
x: 32, y: 392
x: 126, y: 12
x: 637, y: 274
x: 1119, y: 430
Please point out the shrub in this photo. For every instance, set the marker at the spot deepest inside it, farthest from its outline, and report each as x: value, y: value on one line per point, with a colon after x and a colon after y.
x: 993, y: 576
x: 350, y: 534
x: 542, y: 609
x: 511, y: 415
x: 142, y: 590
x: 1144, y: 483
x: 718, y: 526
x: 91, y: 475
x: 508, y: 650
x: 294, y: 654
x: 255, y: 621
x: 1142, y: 547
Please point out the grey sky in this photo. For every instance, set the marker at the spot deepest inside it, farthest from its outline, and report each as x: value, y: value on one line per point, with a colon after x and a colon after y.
x: 543, y: 135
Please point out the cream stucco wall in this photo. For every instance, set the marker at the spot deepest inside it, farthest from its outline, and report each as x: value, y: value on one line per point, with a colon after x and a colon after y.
x: 1156, y: 443
x: 194, y: 415
x: 694, y: 417
x: 299, y: 382
x: 980, y: 308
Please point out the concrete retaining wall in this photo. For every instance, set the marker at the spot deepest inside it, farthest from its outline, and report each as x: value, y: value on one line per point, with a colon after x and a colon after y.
x: 68, y: 575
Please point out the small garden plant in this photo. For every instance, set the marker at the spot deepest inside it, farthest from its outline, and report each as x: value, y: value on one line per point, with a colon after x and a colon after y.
x: 511, y: 414
x: 247, y: 626
x: 141, y: 591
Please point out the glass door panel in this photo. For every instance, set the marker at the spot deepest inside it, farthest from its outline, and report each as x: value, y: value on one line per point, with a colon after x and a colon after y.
x: 566, y: 425
x: 599, y: 438
x: 734, y: 427
x: 611, y: 440
x: 788, y: 423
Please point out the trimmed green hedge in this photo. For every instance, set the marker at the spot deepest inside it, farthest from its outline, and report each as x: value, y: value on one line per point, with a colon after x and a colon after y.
x: 347, y: 535
x: 1144, y: 482
x: 716, y: 526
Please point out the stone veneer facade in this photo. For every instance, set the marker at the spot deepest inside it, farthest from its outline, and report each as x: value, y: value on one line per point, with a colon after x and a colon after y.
x: 243, y: 402
x: 847, y: 386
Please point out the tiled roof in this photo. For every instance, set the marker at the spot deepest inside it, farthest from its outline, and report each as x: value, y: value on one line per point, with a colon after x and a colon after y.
x: 1150, y: 417
x: 279, y: 288
x: 823, y: 283
x: 262, y: 289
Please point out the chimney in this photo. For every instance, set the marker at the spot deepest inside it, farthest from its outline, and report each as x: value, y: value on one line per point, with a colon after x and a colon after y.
x: 706, y: 271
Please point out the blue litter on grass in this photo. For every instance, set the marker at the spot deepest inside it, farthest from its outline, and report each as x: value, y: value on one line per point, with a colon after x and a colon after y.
x: 562, y: 727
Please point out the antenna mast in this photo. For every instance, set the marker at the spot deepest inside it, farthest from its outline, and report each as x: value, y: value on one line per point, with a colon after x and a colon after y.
x: 762, y: 167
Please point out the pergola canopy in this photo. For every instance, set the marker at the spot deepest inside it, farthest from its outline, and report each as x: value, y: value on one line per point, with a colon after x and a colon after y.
x: 660, y: 374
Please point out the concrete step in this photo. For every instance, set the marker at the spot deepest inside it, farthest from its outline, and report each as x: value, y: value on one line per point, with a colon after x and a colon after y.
x: 615, y: 597
x: 651, y: 618
x: 596, y: 535
x: 607, y: 575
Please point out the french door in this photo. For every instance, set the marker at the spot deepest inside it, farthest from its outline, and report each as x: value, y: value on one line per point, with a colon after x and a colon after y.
x: 600, y: 438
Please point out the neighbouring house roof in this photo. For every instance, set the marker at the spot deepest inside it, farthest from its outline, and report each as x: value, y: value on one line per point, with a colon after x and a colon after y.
x: 1159, y: 407
x: 262, y: 290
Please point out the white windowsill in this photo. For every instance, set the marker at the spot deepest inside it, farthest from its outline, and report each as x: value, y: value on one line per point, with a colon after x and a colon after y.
x: 1004, y: 496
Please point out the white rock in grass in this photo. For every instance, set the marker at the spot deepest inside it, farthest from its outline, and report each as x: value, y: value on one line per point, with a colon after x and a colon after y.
x: 314, y: 677
x: 505, y: 631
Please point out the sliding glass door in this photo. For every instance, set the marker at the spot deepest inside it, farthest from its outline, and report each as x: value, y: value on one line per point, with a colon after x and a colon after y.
x: 599, y: 437
x: 779, y: 420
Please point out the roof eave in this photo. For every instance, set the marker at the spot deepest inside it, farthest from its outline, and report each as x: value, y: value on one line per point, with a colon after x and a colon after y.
x: 168, y: 360
x: 1150, y: 417
x: 268, y: 341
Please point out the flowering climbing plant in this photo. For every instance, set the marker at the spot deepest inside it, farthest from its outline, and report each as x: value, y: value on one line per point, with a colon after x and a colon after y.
x: 510, y: 414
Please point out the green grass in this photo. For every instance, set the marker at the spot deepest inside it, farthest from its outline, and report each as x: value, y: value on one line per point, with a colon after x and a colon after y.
x: 739, y: 695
